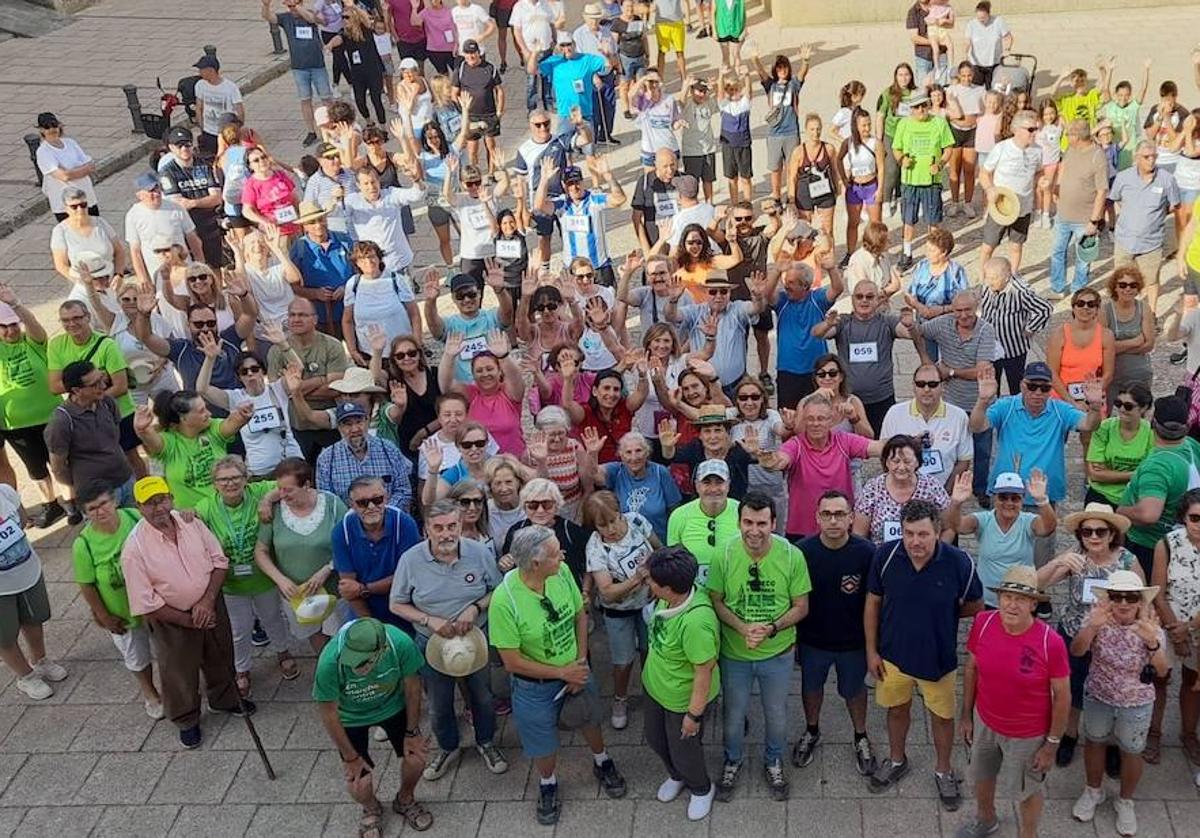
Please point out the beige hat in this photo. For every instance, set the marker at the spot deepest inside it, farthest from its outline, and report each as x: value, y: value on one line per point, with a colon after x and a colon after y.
x: 1125, y: 581
x: 458, y: 656
x: 1005, y: 207
x: 310, y: 211
x: 1021, y: 579
x: 593, y: 10
x: 1098, y: 511
x: 356, y: 380
x: 95, y: 263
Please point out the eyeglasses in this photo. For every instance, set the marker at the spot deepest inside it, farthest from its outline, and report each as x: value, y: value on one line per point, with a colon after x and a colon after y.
x: 550, y: 610
x: 864, y: 296
x: 1086, y: 304
x: 406, y: 353
x: 1134, y: 285
x: 1193, y: 518
x: 1009, y: 497
x: 466, y: 295
x: 1121, y: 404
x: 833, y: 514
x: 749, y: 397
x: 927, y: 385
x: 76, y: 319
x: 660, y: 272
x: 718, y: 292
x: 586, y: 275
x: 101, y: 381
x: 755, y: 581
x: 465, y: 502
x: 541, y: 123
x: 468, y: 444
x: 1037, y: 387
x: 546, y: 307
x: 1127, y: 597
x: 367, y: 503
x: 77, y: 206
x: 535, y: 505
x: 230, y: 480
x: 252, y: 368
x: 827, y: 373
x: 1094, y: 532
x: 204, y: 324
x: 369, y: 142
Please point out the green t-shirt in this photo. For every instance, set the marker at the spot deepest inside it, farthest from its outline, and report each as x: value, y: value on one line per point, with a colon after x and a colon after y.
x: 369, y: 699
x: 782, y: 575
x: 690, y: 526
x: 299, y: 555
x: 25, y: 397
x: 96, y: 557
x: 1111, y: 451
x: 891, y: 118
x: 924, y: 142
x: 108, y: 357
x: 1125, y: 123
x: 1167, y: 473
x: 237, y: 530
x: 518, y: 620
x: 679, y: 644
x: 187, y: 462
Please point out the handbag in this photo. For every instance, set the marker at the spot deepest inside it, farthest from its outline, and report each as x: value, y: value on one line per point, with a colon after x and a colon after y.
x: 1190, y: 392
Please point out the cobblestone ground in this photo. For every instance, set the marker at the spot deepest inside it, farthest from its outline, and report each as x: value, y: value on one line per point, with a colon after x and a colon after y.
x: 88, y: 761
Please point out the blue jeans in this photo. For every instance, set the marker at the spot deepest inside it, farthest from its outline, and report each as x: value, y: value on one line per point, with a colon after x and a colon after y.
x: 531, y: 86
x: 774, y: 678
x: 922, y: 67
x: 441, y: 689
x: 1064, y: 233
x: 983, y: 459
x: 604, y: 107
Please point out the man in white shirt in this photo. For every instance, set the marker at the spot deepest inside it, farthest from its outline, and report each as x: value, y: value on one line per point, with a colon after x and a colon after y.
x: 532, y: 23
x: 691, y: 209
x: 988, y: 39
x: 150, y: 223
x: 373, y: 214
x: 941, y: 428
x: 472, y: 23
x: 215, y: 97
x: 1014, y: 164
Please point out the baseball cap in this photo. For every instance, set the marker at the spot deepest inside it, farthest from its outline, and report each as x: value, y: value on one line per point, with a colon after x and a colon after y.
x: 47, y: 120
x: 712, y: 468
x: 470, y: 45
x: 179, y: 135
x: 470, y: 174
x: 1171, y: 417
x: 146, y: 182
x: 1038, y: 371
x: 228, y: 119
x: 350, y: 410
x: 687, y: 186
x: 209, y: 62
x: 802, y: 230
x: 7, y: 315
x: 1008, y: 481
x: 361, y: 640
x: 571, y: 174
x: 150, y: 487
x: 409, y: 64
x: 459, y: 281
x: 328, y: 150
x: 564, y: 38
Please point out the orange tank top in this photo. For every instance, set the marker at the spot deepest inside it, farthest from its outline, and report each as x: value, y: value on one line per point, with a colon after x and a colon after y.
x: 1079, y: 363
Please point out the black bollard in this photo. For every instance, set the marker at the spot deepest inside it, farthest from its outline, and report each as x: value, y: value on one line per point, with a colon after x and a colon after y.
x: 135, y: 107
x: 276, y: 39
x: 33, y: 141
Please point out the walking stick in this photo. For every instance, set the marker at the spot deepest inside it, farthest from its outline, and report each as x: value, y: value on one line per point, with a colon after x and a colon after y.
x: 262, y: 752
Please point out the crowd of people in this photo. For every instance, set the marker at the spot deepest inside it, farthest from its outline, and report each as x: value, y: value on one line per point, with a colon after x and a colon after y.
x: 455, y: 482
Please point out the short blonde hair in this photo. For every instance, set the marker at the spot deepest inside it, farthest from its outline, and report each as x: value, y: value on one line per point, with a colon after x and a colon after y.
x: 541, y: 488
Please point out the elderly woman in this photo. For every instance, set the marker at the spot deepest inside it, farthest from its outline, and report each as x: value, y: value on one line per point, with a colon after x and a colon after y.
x: 262, y: 259
x: 1083, y: 349
x: 543, y: 504
x: 494, y: 398
x: 294, y: 549
x: 714, y: 442
x: 755, y: 417
x: 1016, y: 313
x: 1123, y: 638
x: 450, y: 416
x: 559, y: 457
x: 538, y: 623
x: 1016, y: 696
x: 935, y: 281
x: 877, y: 508
x: 1131, y: 321
x: 64, y: 165
x: 82, y: 236
x: 148, y: 371
x: 680, y: 676
x: 608, y: 412
x: 1100, y: 534
x: 641, y: 486
x: 1177, y: 576
x: 231, y: 512
x: 616, y: 555
x: 1118, y: 445
x: 504, y: 477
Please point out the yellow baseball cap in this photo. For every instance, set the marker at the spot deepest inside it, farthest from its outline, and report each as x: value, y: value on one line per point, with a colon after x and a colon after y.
x: 149, y: 487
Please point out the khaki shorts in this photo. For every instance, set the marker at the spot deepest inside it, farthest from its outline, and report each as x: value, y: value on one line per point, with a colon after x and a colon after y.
x: 1147, y: 263
x: 1006, y: 760
x: 896, y: 689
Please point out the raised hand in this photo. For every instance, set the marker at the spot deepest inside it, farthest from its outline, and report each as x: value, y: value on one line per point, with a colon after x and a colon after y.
x: 806, y: 52
x: 529, y: 282
x: 709, y: 325
x: 675, y: 287
x: 788, y: 415
x: 1101, y: 613
x: 1036, y: 485
x: 668, y: 433
x: 271, y: 234
x: 567, y: 366
x: 235, y: 284
x: 988, y: 386
x: 209, y: 345
x: 454, y: 343
x: 538, y: 445
x: 549, y: 170
x: 634, y: 358
x: 293, y: 376
x: 9, y: 296
x: 398, y: 394
x: 1093, y: 391
x: 493, y: 274
x: 633, y: 262
x: 592, y: 441
x: 498, y: 343
x: 432, y: 449
x: 1072, y: 561
x: 243, y: 411
x: 432, y: 283
x: 1147, y: 626
x: 757, y: 283
x: 702, y: 368
x: 961, y: 493
x: 597, y: 313
x: 143, y: 419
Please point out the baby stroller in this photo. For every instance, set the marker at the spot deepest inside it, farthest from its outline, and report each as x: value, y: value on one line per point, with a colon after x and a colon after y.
x: 1015, y: 73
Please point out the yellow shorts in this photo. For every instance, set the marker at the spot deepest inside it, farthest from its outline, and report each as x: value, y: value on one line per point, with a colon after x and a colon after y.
x: 670, y: 35
x: 896, y: 688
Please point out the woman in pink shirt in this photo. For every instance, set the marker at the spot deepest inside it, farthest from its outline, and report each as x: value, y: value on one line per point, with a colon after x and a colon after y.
x: 816, y: 459
x: 269, y: 195
x: 441, y: 33
x: 494, y: 399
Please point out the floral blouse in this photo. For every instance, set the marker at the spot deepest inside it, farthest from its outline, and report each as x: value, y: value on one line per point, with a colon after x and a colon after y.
x: 1118, y: 656
x: 877, y: 503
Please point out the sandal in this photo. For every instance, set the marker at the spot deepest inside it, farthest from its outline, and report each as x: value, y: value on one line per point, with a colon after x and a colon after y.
x: 1152, y: 753
x: 288, y: 667
x: 414, y: 814
x: 370, y: 825
x: 243, y: 684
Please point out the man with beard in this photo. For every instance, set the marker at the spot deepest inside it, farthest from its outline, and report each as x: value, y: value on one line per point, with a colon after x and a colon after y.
x: 192, y: 185
x: 359, y: 455
x: 733, y: 321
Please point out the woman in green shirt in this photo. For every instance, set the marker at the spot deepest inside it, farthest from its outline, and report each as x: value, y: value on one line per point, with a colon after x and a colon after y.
x: 188, y: 441
x: 892, y: 107
x: 680, y: 676
x: 231, y: 512
x: 295, y: 550
x: 1118, y: 446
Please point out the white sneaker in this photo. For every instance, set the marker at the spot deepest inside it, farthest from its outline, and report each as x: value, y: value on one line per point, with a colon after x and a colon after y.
x: 669, y: 790
x: 154, y: 709
x: 1085, y: 807
x: 700, y: 805
x: 50, y: 671
x: 380, y: 734
x: 620, y: 713
x: 1126, y: 819
x: 34, y: 687
x: 951, y: 209
x: 969, y: 210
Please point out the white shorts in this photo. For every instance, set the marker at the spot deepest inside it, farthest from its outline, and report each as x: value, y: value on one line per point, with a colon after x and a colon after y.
x: 134, y: 646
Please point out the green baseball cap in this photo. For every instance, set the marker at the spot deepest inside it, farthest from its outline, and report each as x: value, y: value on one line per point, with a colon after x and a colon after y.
x: 1087, y: 248
x: 363, y: 639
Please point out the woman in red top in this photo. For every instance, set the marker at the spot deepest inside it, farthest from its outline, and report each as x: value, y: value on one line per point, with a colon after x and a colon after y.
x: 606, y: 411
x: 269, y: 195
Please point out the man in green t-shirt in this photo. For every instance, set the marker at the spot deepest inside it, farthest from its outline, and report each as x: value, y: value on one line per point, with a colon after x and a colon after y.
x: 368, y: 675
x: 96, y: 558
x: 1151, y: 498
x: 759, y: 587
x: 706, y: 524
x: 922, y: 146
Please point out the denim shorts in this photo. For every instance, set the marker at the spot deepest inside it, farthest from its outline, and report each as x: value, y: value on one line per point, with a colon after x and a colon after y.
x: 630, y: 67
x: 312, y: 83
x: 535, y: 712
x: 1128, y: 725
x: 917, y: 201
x: 851, y: 670
x: 626, y: 636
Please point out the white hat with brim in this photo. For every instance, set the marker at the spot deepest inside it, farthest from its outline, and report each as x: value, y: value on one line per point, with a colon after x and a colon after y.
x: 1100, y: 512
x: 356, y: 380
x: 458, y: 656
x: 95, y: 263
x: 1125, y: 581
x: 1005, y: 206
x: 312, y: 610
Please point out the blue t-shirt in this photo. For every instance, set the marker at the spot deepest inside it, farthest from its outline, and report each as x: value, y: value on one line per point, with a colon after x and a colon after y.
x: 325, y: 267
x: 998, y: 550
x: 455, y: 473
x: 918, y: 624
x: 371, y: 561
x: 798, y: 349
x: 785, y: 96
x: 652, y: 495
x: 474, y: 332
x: 1025, y: 441
x: 572, y: 81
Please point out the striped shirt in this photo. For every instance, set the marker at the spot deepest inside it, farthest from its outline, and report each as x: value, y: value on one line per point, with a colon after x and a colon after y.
x: 1015, y: 312
x: 956, y: 353
x: 583, y: 229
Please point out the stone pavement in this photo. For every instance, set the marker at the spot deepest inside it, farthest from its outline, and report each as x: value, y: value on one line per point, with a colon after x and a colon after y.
x: 89, y: 762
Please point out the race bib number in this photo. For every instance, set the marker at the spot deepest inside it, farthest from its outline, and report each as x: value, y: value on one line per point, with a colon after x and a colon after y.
x: 864, y: 353
x: 449, y: 33
x: 265, y: 419
x: 577, y: 86
x: 508, y: 249
x: 285, y: 215
x: 931, y: 462
x: 1089, y: 590
x: 861, y: 170
x: 634, y: 27
x: 819, y: 186
x: 304, y: 33
x: 242, y: 571
x: 630, y: 564
x: 10, y: 533
x: 665, y: 206
x: 356, y: 57
x: 776, y: 98
x: 472, y: 347
x: 891, y: 530
x: 576, y: 223
x: 477, y: 218
x: 1076, y: 390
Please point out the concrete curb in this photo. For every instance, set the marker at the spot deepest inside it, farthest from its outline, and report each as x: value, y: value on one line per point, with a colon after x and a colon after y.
x: 138, y: 146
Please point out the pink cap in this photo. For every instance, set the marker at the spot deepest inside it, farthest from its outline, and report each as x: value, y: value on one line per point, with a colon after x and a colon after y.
x: 7, y: 315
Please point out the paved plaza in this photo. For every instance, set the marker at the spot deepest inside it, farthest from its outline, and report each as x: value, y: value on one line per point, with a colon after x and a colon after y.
x: 89, y: 762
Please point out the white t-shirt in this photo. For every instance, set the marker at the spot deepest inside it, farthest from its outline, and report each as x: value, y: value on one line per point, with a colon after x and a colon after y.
x: 621, y: 559
x: 702, y: 213
x: 534, y: 19
x: 969, y: 97
x: 475, y: 240
x: 657, y: 122
x: 143, y: 224
x: 76, y: 244
x: 1015, y: 168
x: 451, y: 456
x: 50, y: 159
x: 987, y: 41
x: 149, y: 372
x: 597, y: 356
x: 218, y: 100
x: 267, y: 437
x: 380, y: 301
x: 20, y: 566
x: 471, y: 20
x: 841, y: 122
x: 272, y: 291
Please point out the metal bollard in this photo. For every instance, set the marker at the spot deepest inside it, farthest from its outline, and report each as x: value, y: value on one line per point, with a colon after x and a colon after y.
x: 33, y: 141
x: 276, y: 39
x: 135, y: 107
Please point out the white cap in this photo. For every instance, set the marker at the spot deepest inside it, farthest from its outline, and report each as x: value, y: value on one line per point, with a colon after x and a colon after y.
x: 712, y: 468
x: 409, y: 64
x: 1008, y: 481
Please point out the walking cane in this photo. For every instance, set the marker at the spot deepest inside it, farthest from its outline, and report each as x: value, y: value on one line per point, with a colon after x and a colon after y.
x: 262, y: 752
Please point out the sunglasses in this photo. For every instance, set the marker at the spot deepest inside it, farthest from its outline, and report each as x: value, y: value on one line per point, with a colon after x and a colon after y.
x: 550, y: 610
x: 864, y: 296
x: 1127, y: 597
x: 253, y: 368
x: 712, y: 532
x: 1037, y: 387
x: 80, y: 206
x: 465, y: 502
x: 1124, y: 405
x: 546, y: 307
x: 1086, y: 304
x: 541, y: 123
x: 406, y: 353
x: 827, y: 373
x: 1094, y: 532
x: 184, y: 144
x: 586, y: 275
x: 749, y: 397
x: 926, y: 385
x: 743, y: 218
x: 755, y: 581
x: 718, y: 292
x: 468, y: 444
x: 466, y: 295
x: 1135, y: 285
x: 535, y: 505
x: 367, y: 503
x: 204, y: 324
x: 1010, y: 497
x: 199, y: 278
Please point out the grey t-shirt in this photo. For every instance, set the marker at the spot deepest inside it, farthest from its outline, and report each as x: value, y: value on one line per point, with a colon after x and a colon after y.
x: 444, y: 590
x: 304, y: 42
x: 669, y: 10
x: 653, y: 309
x: 866, y: 347
x: 729, y: 357
x: 959, y: 354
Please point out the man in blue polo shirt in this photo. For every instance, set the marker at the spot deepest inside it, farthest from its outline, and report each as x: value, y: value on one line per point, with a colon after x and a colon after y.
x: 323, y: 259
x: 918, y: 589
x: 367, y: 546
x: 573, y: 76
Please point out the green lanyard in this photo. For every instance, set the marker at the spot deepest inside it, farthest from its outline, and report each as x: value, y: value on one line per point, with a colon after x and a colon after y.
x: 237, y: 527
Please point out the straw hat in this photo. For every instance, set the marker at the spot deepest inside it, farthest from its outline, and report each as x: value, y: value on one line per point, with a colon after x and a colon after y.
x: 309, y: 211
x: 712, y: 414
x: 356, y: 380
x: 1021, y: 579
x: 1005, y: 206
x: 1125, y: 581
x: 1098, y: 511
x: 458, y: 656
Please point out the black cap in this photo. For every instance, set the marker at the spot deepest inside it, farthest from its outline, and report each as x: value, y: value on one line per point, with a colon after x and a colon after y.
x: 572, y: 174
x: 47, y: 120
x: 208, y: 62
x: 1171, y: 417
x: 470, y: 45
x: 178, y: 135
x: 464, y: 281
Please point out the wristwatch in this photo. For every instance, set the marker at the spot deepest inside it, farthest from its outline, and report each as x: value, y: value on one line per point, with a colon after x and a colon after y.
x: 694, y: 717
x: 411, y: 732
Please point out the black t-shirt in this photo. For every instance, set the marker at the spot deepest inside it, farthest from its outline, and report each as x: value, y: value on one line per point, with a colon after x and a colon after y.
x: 916, y: 20
x: 363, y: 57
x: 655, y: 199
x: 192, y: 182
x: 572, y: 538
x: 754, y: 258
x: 481, y: 82
x: 839, y: 594
x: 630, y: 44
x: 692, y: 455
x: 514, y: 266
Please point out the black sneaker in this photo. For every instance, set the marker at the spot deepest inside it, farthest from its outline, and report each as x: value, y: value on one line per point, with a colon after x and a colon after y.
x: 503, y: 69
x: 236, y: 710
x: 1066, y: 751
x: 610, y: 778
x: 74, y: 514
x: 258, y: 637
x: 47, y: 515
x: 190, y: 737
x: 949, y: 792
x: 728, y: 781
x: 548, y: 807
x: 904, y: 263
x: 805, y: 749
x: 864, y: 757
x: 703, y: 33
x: 628, y: 115
x: 844, y: 262
x: 887, y: 775
x: 309, y: 139
x: 777, y: 781
x: 1177, y: 358
x: 1112, y: 761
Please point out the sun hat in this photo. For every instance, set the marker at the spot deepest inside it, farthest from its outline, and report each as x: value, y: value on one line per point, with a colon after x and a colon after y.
x: 95, y: 263
x: 1125, y: 581
x: 712, y: 414
x: 593, y: 10
x: 1021, y: 579
x: 360, y: 640
x: 313, y: 609
x: 1098, y: 511
x: 310, y: 211
x: 150, y: 487
x: 356, y: 380
x: 1087, y: 248
x: 717, y: 278
x: 458, y: 656
x: 1005, y: 206
x: 712, y: 468
x: 1008, y: 482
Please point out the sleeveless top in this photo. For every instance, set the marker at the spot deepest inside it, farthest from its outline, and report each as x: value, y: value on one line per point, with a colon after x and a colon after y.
x: 1080, y: 363
x: 860, y: 160
x: 1129, y: 366
x: 812, y: 167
